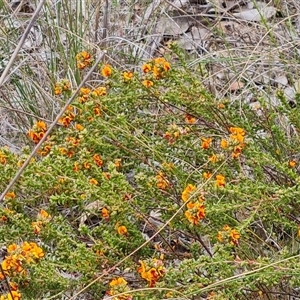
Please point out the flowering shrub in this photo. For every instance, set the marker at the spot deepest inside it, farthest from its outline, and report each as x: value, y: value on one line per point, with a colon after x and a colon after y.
x: 149, y: 164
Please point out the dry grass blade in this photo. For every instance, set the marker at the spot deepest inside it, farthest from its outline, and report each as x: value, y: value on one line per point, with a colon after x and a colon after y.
x: 21, y: 42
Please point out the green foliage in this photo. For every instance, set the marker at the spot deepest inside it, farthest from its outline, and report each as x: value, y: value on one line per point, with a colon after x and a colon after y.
x: 154, y: 153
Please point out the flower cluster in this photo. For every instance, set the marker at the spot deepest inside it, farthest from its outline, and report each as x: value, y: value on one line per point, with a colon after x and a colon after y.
x: 127, y: 75
x: 68, y: 117
x: 121, y: 229
x: 188, y: 192
x: 12, y: 295
x: 157, y: 66
x: 161, y: 181
x: 14, y: 264
x: 151, y: 270
x: 174, y: 132
x: 228, y: 235
x: 154, y: 69
x: 195, y: 209
x: 83, y: 60
x: 220, y: 181
x: 106, y: 71
x: 37, y: 132
x: 63, y: 86
x: 119, y: 286
x: 42, y: 218
x: 206, y: 143
x: 235, y: 141
x: 2, y: 158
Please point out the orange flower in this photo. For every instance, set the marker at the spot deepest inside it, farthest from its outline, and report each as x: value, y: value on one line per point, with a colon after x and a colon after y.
x: 161, y: 181
x: 37, y: 227
x: 213, y: 158
x: 147, y: 83
x: 2, y: 158
x: 189, y: 119
x: 187, y: 193
x: 207, y: 175
x: 10, y: 195
x: 292, y: 164
x: 97, y: 111
x: 235, y: 236
x: 118, y: 162
x: 206, y: 143
x: 79, y: 127
x: 100, y: 91
x: 93, y: 181
x: 98, y: 160
x: 224, y: 144
x: 104, y: 213
x: 118, y: 281
x: 87, y: 165
x: 127, y: 75
x: 195, y: 212
x: 12, y: 295
x: 41, y: 125
x: 151, y: 270
x: 146, y: 68
x: 106, y: 71
x: 237, y: 151
x: 166, y: 66
x: 83, y: 59
x: 106, y: 175
x: 122, y: 230
x: 220, y: 180
x: 43, y: 215
x: 237, y: 134
x: 76, y: 167
x: 119, y: 286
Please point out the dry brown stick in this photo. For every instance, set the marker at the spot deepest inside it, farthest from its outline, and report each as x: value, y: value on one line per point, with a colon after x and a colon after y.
x: 53, y: 124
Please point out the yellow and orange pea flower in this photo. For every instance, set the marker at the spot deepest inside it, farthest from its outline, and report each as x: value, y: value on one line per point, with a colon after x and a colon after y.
x: 122, y: 230
x: 2, y: 158
x: 98, y: 160
x: 12, y: 295
x: 195, y: 212
x: 189, y: 119
x: 83, y: 59
x: 127, y: 75
x: 97, y: 111
x: 292, y: 164
x: 206, y: 143
x: 117, y: 281
x: 93, y: 181
x: 99, y: 91
x: 10, y: 195
x: 79, y: 127
x: 104, y: 213
x: 151, y: 271
x: 188, y: 191
x: 207, y: 175
x: 237, y: 134
x: 117, y: 286
x: 228, y: 235
x: 106, y: 71
x: 146, y: 68
x: 220, y: 180
x: 161, y: 181
x: 62, y: 86
x: 147, y: 83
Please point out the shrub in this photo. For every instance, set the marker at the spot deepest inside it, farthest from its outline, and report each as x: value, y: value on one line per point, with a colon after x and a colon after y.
x: 149, y: 180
